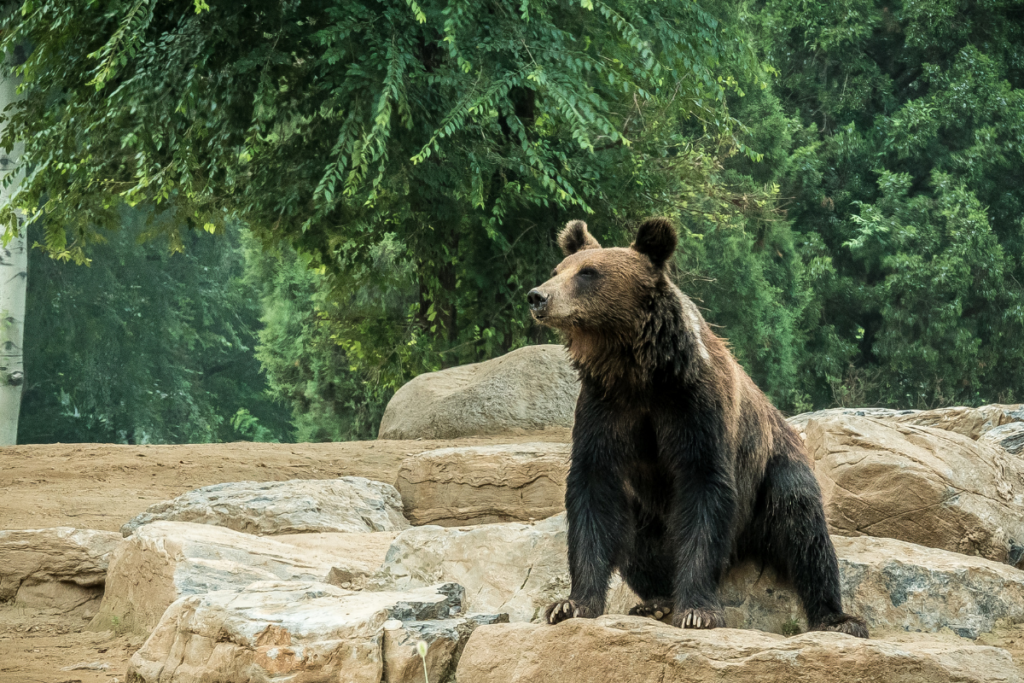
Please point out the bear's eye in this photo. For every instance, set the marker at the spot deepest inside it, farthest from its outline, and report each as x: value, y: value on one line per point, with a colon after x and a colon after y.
x: 554, y: 272
x: 587, y: 272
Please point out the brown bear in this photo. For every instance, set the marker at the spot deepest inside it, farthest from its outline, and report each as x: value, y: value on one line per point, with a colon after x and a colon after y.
x: 680, y: 465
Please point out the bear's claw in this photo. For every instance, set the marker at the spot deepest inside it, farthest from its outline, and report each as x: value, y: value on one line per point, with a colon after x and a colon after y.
x: 561, y: 610
x: 844, y: 623
x: 696, y: 617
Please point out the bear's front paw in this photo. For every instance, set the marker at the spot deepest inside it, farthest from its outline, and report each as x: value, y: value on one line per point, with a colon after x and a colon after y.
x: 565, y: 609
x: 656, y: 608
x: 844, y: 623
x: 696, y: 617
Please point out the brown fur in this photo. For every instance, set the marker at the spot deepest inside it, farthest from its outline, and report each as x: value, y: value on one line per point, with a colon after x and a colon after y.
x: 673, y: 434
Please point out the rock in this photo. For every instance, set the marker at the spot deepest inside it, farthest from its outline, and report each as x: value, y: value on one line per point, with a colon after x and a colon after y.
x: 349, y: 504
x: 512, y: 568
x: 302, y: 631
x: 1009, y: 437
x: 971, y: 422
x: 529, y: 389
x: 636, y: 650
x: 919, y: 484
x: 363, y: 553
x: 520, y: 569
x: 164, y: 561
x: 894, y: 585
x: 800, y: 421
x: 58, y: 568
x: 484, y: 484
x: 1002, y: 413
x: 445, y: 641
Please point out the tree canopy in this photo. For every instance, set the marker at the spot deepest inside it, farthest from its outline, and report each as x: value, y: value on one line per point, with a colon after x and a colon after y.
x: 845, y: 175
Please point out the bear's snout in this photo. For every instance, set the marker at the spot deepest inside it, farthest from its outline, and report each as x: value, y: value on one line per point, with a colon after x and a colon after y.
x: 538, y: 300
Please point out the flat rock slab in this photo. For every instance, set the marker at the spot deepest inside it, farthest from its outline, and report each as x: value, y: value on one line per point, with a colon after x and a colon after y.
x: 57, y: 568
x: 363, y: 553
x: 521, y: 568
x: 928, y: 486
x: 635, y: 650
x: 529, y: 389
x: 349, y: 504
x: 300, y: 631
x: 164, y: 561
x: 894, y: 585
x: 484, y: 484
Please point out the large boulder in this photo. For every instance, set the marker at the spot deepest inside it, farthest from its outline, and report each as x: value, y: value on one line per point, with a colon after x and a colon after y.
x: 349, y: 504
x: 529, y: 389
x: 484, y: 484
x: 512, y: 568
x: 636, y: 650
x: 304, y: 631
x: 521, y: 568
x: 971, y: 422
x: 57, y: 568
x: 928, y: 486
x: 164, y: 561
x: 893, y: 585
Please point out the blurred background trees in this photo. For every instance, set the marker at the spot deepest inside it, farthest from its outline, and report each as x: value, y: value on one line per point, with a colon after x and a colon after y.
x: 384, y: 181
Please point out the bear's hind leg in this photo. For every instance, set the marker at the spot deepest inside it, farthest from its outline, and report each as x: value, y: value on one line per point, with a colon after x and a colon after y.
x: 648, y: 568
x: 796, y: 542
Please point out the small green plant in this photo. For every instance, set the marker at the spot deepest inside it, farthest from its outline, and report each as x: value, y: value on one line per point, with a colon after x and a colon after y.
x: 421, y: 648
x: 791, y: 627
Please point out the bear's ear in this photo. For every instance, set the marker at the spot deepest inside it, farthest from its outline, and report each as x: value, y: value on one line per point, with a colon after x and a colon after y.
x: 656, y: 239
x: 574, y: 237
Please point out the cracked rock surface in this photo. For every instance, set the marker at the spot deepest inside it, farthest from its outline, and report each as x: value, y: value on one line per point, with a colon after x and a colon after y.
x: 164, y: 561
x: 1009, y: 437
x: 514, y: 568
x: 484, y: 484
x: 348, y: 504
x: 57, y: 568
x: 924, y: 485
x: 521, y: 568
x: 894, y: 585
x: 529, y: 389
x: 636, y: 650
x: 305, y: 631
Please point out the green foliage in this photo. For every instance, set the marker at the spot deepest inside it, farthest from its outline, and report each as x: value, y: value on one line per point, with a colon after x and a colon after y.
x: 898, y: 132
x: 144, y: 346
x: 850, y: 213
x: 304, y: 364
x: 423, y: 154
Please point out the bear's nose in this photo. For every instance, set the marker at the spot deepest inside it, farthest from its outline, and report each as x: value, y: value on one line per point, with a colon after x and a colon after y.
x: 537, y: 300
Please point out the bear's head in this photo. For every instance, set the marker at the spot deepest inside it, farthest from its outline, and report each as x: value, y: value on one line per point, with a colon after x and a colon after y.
x: 606, y: 291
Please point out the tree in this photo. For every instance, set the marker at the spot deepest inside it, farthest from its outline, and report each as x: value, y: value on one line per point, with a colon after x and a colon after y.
x: 13, y: 275
x: 422, y: 153
x: 145, y: 346
x: 898, y: 135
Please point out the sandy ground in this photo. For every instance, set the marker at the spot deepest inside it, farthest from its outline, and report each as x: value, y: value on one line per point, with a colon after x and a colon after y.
x: 38, y: 646
x: 101, y: 486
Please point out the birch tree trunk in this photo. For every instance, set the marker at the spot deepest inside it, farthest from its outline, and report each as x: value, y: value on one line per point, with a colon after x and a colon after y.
x: 13, y: 283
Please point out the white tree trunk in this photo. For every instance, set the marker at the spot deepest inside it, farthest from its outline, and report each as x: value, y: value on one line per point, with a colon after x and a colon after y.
x: 13, y: 283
